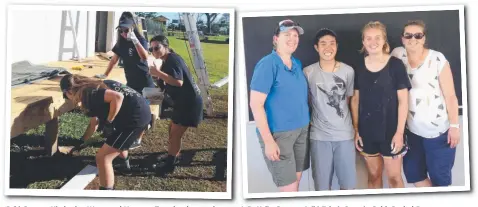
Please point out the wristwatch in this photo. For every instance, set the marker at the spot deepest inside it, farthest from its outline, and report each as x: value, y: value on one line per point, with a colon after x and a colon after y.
x: 455, y: 126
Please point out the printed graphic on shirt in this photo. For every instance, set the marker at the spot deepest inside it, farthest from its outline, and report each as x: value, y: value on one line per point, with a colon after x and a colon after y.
x: 125, y: 90
x: 335, y: 95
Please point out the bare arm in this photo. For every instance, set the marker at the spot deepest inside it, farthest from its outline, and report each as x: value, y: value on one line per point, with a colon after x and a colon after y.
x: 156, y: 71
x: 354, y: 108
x: 448, y: 89
x: 115, y: 99
x: 402, y: 110
x: 257, y: 106
x: 111, y: 64
x: 90, y: 130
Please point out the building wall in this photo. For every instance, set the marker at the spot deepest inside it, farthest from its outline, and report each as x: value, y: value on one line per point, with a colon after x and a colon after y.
x: 36, y: 35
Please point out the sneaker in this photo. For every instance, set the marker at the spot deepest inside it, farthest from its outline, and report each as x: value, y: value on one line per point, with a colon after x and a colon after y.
x: 167, y: 166
x: 135, y: 144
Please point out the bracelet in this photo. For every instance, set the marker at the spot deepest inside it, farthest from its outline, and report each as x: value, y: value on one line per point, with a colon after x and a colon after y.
x: 455, y: 126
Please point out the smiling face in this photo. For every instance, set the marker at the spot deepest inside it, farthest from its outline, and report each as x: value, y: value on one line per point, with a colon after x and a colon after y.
x: 157, y: 49
x: 287, y: 41
x: 413, y: 37
x: 374, y: 41
x: 326, y: 47
x: 123, y: 31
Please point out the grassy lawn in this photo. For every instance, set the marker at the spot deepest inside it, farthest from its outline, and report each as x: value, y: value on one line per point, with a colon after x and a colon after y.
x: 203, y: 164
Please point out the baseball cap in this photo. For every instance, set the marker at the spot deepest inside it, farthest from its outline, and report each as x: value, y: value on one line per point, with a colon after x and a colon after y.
x: 286, y: 25
x: 126, y: 22
x: 65, y: 84
x: 323, y: 32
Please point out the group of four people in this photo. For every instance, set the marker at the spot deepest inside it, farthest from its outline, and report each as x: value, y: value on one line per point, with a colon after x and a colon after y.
x: 396, y: 109
x: 121, y: 112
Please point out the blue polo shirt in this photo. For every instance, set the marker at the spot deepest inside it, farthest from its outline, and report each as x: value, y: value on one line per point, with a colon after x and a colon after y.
x: 286, y: 104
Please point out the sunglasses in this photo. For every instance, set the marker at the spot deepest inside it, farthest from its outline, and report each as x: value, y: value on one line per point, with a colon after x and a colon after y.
x: 288, y: 23
x: 151, y: 49
x: 417, y: 36
x: 123, y: 30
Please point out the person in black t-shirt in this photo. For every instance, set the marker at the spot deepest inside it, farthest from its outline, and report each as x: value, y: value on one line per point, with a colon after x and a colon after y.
x: 124, y: 111
x: 186, y: 99
x: 380, y: 108
x: 132, y: 48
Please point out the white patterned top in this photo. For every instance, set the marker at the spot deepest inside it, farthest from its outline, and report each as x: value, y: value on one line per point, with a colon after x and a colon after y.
x: 427, y: 115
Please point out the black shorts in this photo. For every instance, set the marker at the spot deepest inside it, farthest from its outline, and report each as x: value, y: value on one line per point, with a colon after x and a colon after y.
x: 123, y: 138
x: 188, y: 115
x: 382, y: 147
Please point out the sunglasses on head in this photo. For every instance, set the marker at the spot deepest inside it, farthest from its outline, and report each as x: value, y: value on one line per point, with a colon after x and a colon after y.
x: 123, y: 30
x: 416, y: 35
x: 287, y: 23
x: 151, y: 49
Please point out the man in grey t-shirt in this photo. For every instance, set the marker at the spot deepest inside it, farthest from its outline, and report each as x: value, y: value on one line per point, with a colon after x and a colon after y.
x: 332, y: 148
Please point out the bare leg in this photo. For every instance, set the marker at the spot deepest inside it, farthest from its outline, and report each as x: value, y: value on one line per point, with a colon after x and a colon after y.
x: 393, y: 167
x: 375, y: 168
x: 104, y: 161
x: 424, y: 183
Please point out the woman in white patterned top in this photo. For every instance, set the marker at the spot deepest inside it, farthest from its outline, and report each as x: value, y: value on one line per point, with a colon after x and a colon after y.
x: 432, y: 124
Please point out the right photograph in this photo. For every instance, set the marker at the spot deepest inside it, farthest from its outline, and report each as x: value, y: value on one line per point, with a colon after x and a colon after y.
x: 356, y: 101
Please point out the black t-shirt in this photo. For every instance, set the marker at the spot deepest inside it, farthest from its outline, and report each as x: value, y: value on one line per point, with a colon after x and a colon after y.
x: 378, y: 102
x: 189, y: 92
x: 134, y: 112
x: 136, y: 70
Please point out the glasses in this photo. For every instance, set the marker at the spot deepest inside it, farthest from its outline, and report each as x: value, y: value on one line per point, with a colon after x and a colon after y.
x: 151, y: 49
x: 417, y: 36
x: 123, y: 30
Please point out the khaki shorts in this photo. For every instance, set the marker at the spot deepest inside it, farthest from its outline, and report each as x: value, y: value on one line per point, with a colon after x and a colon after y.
x: 294, y: 155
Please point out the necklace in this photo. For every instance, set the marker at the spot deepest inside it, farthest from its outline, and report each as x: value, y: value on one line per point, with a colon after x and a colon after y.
x: 422, y: 61
x: 333, y: 69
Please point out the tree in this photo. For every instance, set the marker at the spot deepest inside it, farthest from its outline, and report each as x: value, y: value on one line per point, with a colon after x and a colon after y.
x: 147, y: 14
x: 210, y: 17
x: 224, y: 20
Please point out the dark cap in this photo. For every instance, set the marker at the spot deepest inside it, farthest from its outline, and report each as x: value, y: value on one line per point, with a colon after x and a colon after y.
x: 126, y: 22
x: 286, y: 25
x: 65, y: 84
x: 323, y: 32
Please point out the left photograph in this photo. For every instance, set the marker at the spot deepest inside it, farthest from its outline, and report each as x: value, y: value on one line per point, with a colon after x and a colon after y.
x: 129, y: 101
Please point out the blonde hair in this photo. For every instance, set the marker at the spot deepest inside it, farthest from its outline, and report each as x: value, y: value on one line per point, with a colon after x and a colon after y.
x: 381, y: 27
x: 79, y: 85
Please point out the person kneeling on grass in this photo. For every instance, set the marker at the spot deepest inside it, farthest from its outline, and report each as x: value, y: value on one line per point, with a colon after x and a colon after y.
x: 124, y: 111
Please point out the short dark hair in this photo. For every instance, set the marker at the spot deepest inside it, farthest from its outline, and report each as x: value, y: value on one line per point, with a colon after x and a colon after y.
x: 323, y: 32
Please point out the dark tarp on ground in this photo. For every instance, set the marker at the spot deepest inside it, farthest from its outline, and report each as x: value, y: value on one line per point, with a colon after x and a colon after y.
x: 24, y: 72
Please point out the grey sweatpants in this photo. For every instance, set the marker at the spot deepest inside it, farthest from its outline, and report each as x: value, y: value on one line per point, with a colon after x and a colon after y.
x: 329, y: 157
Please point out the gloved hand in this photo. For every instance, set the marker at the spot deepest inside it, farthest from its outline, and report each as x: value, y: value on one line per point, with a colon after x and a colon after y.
x: 100, y: 76
x: 132, y: 37
x: 108, y: 129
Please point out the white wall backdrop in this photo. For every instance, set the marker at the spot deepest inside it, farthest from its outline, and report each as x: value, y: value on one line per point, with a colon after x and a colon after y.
x: 36, y: 35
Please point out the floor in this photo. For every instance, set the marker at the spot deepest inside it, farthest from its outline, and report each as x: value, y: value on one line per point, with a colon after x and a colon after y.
x: 260, y: 181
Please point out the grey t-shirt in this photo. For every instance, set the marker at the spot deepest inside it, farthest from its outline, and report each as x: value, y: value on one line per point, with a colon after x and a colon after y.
x: 328, y: 91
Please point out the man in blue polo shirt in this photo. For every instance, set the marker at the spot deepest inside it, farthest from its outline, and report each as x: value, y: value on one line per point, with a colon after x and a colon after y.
x: 280, y: 107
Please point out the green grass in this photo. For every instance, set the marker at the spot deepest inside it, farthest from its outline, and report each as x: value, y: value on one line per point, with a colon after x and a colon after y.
x: 202, y: 144
x: 215, y: 55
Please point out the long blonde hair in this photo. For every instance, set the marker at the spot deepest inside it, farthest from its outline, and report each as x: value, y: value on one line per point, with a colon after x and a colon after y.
x: 381, y: 27
x: 79, y: 85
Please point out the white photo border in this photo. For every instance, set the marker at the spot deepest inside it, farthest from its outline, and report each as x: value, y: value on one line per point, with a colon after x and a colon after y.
x: 120, y: 194
x: 244, y: 110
